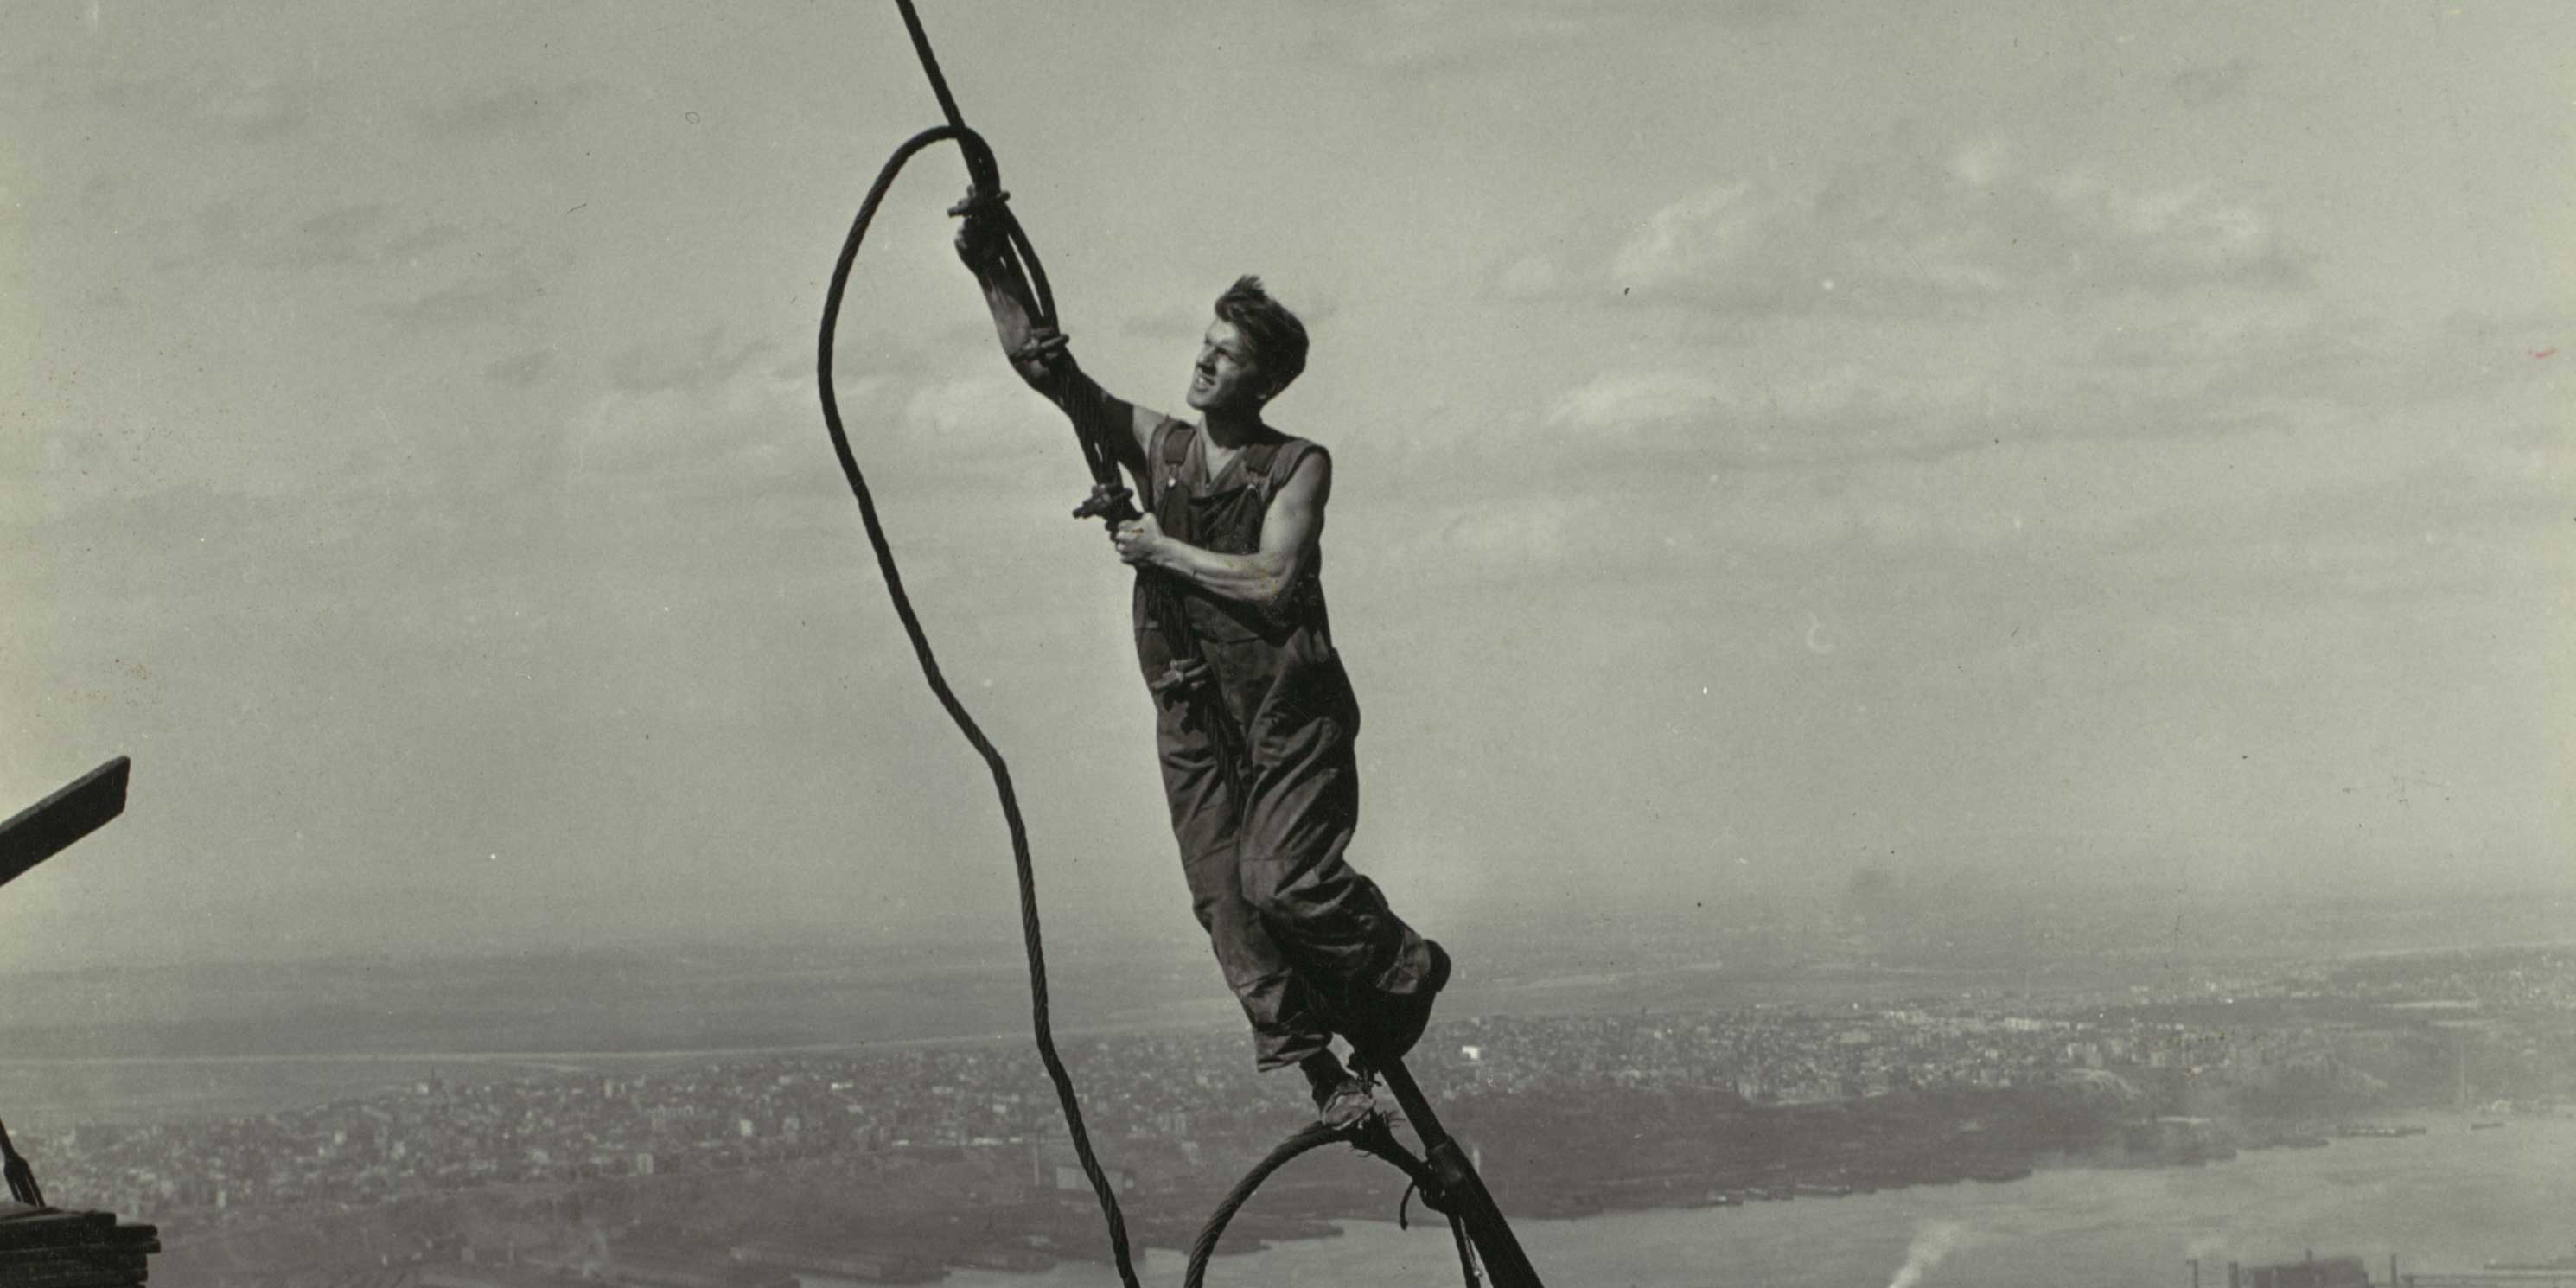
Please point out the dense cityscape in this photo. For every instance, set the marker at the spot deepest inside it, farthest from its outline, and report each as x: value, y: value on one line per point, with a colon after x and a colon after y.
x: 457, y: 1181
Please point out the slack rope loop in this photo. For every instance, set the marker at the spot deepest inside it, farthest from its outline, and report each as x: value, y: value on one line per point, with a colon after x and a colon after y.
x: 984, y: 174
x: 974, y: 147
x: 1371, y: 1137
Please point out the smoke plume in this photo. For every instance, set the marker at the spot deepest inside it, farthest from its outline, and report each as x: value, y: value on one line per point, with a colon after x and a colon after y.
x: 1933, y: 1240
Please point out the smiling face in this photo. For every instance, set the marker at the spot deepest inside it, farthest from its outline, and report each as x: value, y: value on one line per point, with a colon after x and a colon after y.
x: 1226, y: 378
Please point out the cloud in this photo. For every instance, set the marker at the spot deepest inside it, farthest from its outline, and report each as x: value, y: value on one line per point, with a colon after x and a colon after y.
x: 2211, y: 83
x: 1531, y: 277
x: 31, y: 206
x: 1751, y: 414
x: 1170, y: 322
x: 1188, y: 320
x: 1530, y: 532
x: 517, y: 107
x: 338, y: 235
x: 250, y: 108
x: 1430, y: 37
x: 2183, y: 236
x: 704, y: 433
x: 2308, y: 360
x: 2459, y: 515
x: 264, y: 228
x: 421, y: 241
x: 2327, y: 509
x: 703, y: 361
x: 979, y: 411
x: 486, y: 297
x: 2351, y: 502
x: 1909, y: 231
x: 1622, y: 401
x: 1825, y: 392
x: 706, y: 414
x: 521, y: 370
x: 1426, y: 37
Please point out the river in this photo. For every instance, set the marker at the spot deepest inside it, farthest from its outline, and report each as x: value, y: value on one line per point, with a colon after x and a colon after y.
x: 2447, y: 1200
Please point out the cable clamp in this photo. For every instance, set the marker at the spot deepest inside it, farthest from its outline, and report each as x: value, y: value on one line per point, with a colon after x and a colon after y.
x: 979, y: 202
x: 1183, y: 676
x: 1109, y: 501
x: 1045, y: 347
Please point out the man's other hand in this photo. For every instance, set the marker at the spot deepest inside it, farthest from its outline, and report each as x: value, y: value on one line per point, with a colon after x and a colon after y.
x: 1137, y: 540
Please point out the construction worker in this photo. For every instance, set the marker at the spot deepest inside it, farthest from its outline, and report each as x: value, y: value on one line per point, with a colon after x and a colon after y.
x: 1255, y: 716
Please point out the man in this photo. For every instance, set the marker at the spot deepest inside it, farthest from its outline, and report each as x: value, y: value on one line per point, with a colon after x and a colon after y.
x: 1255, y: 714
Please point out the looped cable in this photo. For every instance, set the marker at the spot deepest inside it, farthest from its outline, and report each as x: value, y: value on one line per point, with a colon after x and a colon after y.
x: 1372, y: 1136
x: 973, y: 146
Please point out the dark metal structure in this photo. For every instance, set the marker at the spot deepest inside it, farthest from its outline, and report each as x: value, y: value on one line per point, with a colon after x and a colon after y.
x: 42, y: 830
x: 38, y: 1244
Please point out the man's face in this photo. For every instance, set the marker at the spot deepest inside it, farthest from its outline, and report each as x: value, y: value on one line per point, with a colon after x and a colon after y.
x: 1225, y: 378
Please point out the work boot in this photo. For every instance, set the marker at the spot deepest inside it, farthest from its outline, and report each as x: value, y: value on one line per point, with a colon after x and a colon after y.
x: 1341, y: 1100
x: 1401, y: 1020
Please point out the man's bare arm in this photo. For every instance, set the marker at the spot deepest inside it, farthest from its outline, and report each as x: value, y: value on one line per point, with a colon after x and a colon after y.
x: 1290, y: 529
x: 1040, y: 357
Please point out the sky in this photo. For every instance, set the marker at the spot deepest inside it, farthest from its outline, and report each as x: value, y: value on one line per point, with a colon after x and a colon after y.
x: 2077, y: 443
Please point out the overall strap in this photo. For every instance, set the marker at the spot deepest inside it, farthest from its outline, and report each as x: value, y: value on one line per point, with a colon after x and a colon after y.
x: 1176, y: 442
x: 1166, y: 452
x: 1271, y: 464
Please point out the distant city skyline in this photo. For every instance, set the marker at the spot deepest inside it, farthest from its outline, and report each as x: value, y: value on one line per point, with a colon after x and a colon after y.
x: 1579, y: 1112
x: 2069, y: 441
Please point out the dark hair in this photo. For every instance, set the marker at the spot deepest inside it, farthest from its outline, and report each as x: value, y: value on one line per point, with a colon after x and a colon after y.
x: 1277, y: 338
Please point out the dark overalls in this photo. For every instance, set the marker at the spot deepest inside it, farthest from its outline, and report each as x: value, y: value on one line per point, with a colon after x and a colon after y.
x: 1308, y: 945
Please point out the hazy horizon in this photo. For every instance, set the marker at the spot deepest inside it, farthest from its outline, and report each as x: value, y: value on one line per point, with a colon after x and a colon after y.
x: 2087, y: 447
